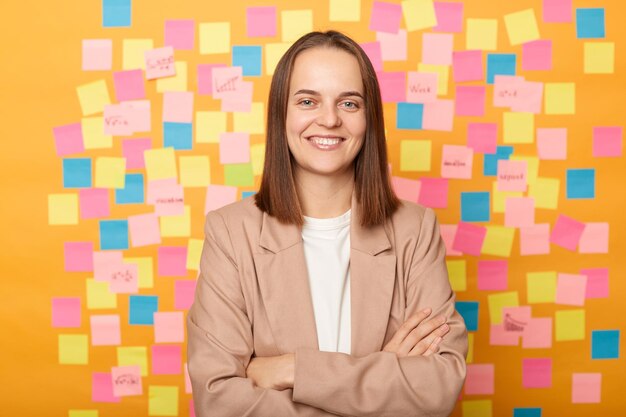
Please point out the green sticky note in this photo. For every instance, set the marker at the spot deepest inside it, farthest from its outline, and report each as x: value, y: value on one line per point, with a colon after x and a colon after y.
x: 239, y: 175
x: 569, y: 325
x: 541, y: 287
x: 73, y: 349
x: 163, y: 401
x: 545, y: 191
x: 415, y: 155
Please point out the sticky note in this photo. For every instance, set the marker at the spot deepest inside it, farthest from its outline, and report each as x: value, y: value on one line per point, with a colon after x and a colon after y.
x: 110, y: 172
x: 82, y: 413
x: 541, y: 287
x: 475, y: 207
x: 73, y: 349
x: 142, y: 308
x: 605, y: 344
x: 448, y: 232
x: 477, y: 408
x: 133, y: 53
x: 99, y: 296
x: 500, y: 64
x: 145, y: 278
x: 218, y: 196
x: 105, y: 330
x: 392, y: 86
x: 393, y: 46
x: 518, y: 127
x: 180, y: 34
x: 93, y: 203
x: 167, y: 196
x: 129, y: 85
x: 178, y: 106
x: 521, y: 26
x: 469, y: 311
x: 93, y: 97
x: 234, y: 148
x: 195, y: 171
x: 570, y: 325
x: 607, y: 141
x: 438, y: 115
x: 469, y: 238
x: 552, y: 143
x: 467, y: 65
x: 437, y: 48
x: 512, y: 175
x: 133, y: 191
x: 557, y: 11
x: 537, y: 372
x: 133, y: 355
x: 470, y: 348
x: 172, y: 261
x: 273, y: 53
x: 261, y: 21
x: 567, y: 232
x: 595, y: 238
x: 166, y: 359
x: 249, y: 58
x: 538, y: 333
x: 374, y: 53
x: 62, y: 209
x: 442, y: 72
x: 194, y: 251
x: 456, y: 162
x: 76, y: 172
x: 590, y: 23
x: 433, y: 192
x: 252, y: 122
x: 418, y: 14
x: 257, y: 157
x: 545, y: 191
x: 385, y: 17
x: 479, y: 379
x: 535, y: 239
x: 457, y: 274
x: 78, y: 256
x: 160, y: 63
x: 570, y: 289
x: 490, y: 161
x: 344, y: 11
x: 599, y: 57
x: 177, y: 82
x: 239, y: 175
x: 421, y: 87
x: 113, y: 234
x: 160, y: 163
x: 597, y: 282
x: 560, y: 98
x: 177, y: 135
x: 586, y: 387
x: 102, y: 388
x: 498, y: 241
x: 68, y: 139
x: 482, y: 137
x: 581, y: 183
x: 482, y: 34
x: 532, y: 164
x: 214, y: 38
x: 295, y: 23
x: 499, y: 336
x: 66, y: 312
x: 97, y: 54
x: 498, y: 198
x: 493, y: 275
x: 168, y: 327
x: 144, y: 229
x: 537, y: 55
x: 105, y: 263
x: 209, y: 126
x: 126, y: 380
x: 184, y: 291
x: 178, y: 225
x: 116, y: 13
x: 409, y: 115
x: 449, y: 17
x: 470, y: 100
x: 499, y: 301
x: 163, y: 401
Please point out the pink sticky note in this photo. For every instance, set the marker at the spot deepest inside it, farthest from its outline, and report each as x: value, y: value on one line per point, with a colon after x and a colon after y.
x: 470, y: 100
x: 103, y: 263
x: 139, y: 111
x: 97, y: 54
x: 167, y: 196
x: 117, y: 120
x: 78, y: 256
x: 184, y: 291
x: 537, y: 55
x: 178, y: 106
x: 515, y: 319
x: 93, y: 203
x: 126, y: 380
x: 538, y: 333
x: 261, y: 21
x: 225, y: 80
x: 172, y: 261
x: 597, y: 282
x: 168, y: 327
x: 180, y: 34
x: 448, y: 231
x: 166, y: 360
x: 192, y: 409
x: 68, y: 139
x: 433, y: 192
x: 421, y: 87
x: 160, y: 63
x: 234, y: 148
x: 438, y: 115
x: 105, y: 330
x: 519, y: 212
x: 493, y: 275
x: 374, y: 53
x: 129, y: 85
x: 557, y: 11
x: 506, y: 90
x: 586, y: 387
x: 124, y: 278
x: 567, y: 232
x: 456, y: 162
x: 65, y: 312
x: 393, y: 46
x: 406, y: 189
x: 482, y: 137
x: 392, y: 86
x: 535, y: 240
x: 469, y: 238
x: 437, y: 48
x: 133, y: 149
x: 498, y: 336
x: 144, y: 230
x: 530, y: 98
x: 449, y: 17
x: 385, y: 17
x: 102, y: 388
x: 607, y: 141
x: 467, y: 66
x: 571, y: 289
x: 479, y: 380
x: 188, y: 388
x: 537, y: 373
x: 595, y: 238
x: 205, y: 78
x: 239, y: 100
x: 512, y: 175
x: 219, y: 196
x: 552, y: 143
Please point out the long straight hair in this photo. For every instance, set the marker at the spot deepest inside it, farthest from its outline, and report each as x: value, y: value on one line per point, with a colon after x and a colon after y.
x: 278, y: 195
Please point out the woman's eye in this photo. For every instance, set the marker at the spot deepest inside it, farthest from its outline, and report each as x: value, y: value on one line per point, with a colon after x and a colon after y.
x: 350, y: 105
x: 306, y: 102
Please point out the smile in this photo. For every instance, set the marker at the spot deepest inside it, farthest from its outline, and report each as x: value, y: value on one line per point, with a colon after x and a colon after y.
x: 325, y: 143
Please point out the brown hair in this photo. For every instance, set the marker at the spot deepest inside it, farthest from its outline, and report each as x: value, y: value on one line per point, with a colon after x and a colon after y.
x: 277, y: 195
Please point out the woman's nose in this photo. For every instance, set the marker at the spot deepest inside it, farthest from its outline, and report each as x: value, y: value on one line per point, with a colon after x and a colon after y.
x: 329, y: 116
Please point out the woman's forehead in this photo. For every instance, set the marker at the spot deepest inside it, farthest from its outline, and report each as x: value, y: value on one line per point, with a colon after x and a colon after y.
x: 326, y: 69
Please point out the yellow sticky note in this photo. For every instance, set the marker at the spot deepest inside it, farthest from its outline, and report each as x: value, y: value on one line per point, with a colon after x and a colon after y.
x: 176, y: 83
x: 73, y: 349
x: 418, y: 14
x: 273, y: 53
x: 251, y: 122
x: 499, y: 301
x: 160, y: 163
x: 99, y: 296
x: 83, y: 413
x: 532, y: 166
x: 93, y: 133
x: 560, y: 98
x: 545, y: 191
x: 569, y: 325
x: 477, y: 408
x: 110, y: 172
x: 470, y: 348
x: 521, y: 26
x: 541, y: 287
x: 176, y: 226
x: 482, y: 34
x: 498, y: 198
x: 209, y: 126
x: 93, y: 97
x: 145, y: 271
x: 415, y: 155
x: 599, y: 57
x: 195, y: 171
x: 257, y: 158
x: 62, y: 209
x: 133, y: 53
x: 344, y: 11
x: 457, y: 274
x: 518, y: 127
x: 498, y: 241
x: 133, y: 355
x: 162, y: 401
x: 194, y: 250
x: 295, y: 23
x: 442, y: 72
x: 214, y: 38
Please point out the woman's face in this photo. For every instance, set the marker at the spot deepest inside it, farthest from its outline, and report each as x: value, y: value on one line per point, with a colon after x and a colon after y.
x: 326, y: 111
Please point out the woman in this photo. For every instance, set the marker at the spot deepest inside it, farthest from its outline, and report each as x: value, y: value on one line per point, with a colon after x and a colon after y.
x: 315, y: 296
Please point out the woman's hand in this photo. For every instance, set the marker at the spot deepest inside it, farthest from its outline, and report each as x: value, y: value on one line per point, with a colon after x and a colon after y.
x: 272, y: 372
x: 416, y: 337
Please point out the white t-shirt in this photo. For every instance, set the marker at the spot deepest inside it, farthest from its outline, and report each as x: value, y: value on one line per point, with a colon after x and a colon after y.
x: 327, y: 254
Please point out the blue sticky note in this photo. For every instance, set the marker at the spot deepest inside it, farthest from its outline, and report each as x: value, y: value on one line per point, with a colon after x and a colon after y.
x: 581, y: 183
x: 245, y: 194
x: 605, y: 344
x: 475, y: 206
x: 490, y: 161
x: 77, y: 173
x: 409, y: 115
x: 115, y: 13
x: 113, y: 234
x: 132, y: 193
x: 527, y: 412
x: 590, y: 23
x: 248, y: 58
x: 177, y: 135
x: 469, y: 311
x: 142, y: 308
x: 500, y: 64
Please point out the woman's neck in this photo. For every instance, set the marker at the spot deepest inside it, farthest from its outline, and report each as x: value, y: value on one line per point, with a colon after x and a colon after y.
x: 322, y: 196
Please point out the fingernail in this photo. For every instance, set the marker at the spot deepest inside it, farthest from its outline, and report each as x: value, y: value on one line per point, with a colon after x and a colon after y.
x: 444, y: 327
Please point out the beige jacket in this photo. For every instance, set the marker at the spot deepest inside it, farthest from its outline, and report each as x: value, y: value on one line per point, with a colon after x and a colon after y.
x: 253, y: 298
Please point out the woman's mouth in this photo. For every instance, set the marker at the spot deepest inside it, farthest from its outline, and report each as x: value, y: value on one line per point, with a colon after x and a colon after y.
x: 325, y: 143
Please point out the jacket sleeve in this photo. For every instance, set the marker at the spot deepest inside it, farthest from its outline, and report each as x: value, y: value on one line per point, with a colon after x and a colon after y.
x: 381, y: 384
x: 220, y: 342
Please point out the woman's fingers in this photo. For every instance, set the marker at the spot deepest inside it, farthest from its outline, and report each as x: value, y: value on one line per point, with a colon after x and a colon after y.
x: 406, y: 328
x: 418, y: 337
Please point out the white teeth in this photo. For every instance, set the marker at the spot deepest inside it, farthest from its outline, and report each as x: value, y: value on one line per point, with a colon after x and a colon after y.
x: 326, y: 141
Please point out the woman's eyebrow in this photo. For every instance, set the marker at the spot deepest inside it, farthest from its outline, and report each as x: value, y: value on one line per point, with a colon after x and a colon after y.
x: 316, y: 93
